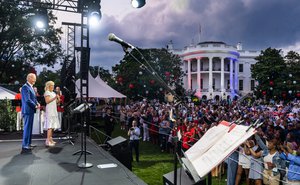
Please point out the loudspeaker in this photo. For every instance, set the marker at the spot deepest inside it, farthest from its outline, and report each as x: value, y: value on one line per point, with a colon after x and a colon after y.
x: 116, y: 141
x: 120, y: 150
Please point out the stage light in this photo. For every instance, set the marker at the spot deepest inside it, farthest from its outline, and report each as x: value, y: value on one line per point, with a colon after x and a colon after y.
x: 94, y: 18
x: 94, y: 12
x: 40, y: 24
x: 41, y: 19
x: 138, y: 3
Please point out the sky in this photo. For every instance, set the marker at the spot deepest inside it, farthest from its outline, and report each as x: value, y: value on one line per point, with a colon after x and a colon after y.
x: 257, y: 24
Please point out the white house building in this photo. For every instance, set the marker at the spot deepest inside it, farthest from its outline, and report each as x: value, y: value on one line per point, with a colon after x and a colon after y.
x: 215, y: 69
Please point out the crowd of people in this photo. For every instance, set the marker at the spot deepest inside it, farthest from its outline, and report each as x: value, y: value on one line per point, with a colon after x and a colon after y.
x: 271, y: 156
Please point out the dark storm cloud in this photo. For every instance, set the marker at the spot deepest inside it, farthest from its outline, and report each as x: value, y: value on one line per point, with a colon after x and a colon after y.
x: 258, y: 24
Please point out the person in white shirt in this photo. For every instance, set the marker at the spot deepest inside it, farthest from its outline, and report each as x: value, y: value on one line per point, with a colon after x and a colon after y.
x: 51, y: 115
x: 134, y: 137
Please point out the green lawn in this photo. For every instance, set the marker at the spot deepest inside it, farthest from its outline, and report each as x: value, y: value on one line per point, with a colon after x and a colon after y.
x: 153, y: 163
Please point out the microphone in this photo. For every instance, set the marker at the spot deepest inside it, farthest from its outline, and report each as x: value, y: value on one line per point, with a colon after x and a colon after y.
x: 68, y: 91
x: 113, y: 37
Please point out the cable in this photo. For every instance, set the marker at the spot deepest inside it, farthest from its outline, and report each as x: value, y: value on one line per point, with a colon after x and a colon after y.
x: 153, y: 72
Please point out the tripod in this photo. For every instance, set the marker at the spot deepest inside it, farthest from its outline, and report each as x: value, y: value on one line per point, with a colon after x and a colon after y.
x: 84, y: 110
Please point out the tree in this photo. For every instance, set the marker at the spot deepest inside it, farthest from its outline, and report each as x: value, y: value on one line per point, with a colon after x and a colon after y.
x: 45, y: 76
x: 292, y: 80
x: 22, y: 46
x: 274, y: 74
x: 103, y: 73
x: 155, y: 73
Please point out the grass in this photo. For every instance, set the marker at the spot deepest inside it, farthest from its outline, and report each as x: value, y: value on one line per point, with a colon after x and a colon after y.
x: 154, y: 163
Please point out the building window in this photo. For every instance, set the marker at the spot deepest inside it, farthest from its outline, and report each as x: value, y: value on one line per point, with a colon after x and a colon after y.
x: 201, y: 66
x: 241, y: 68
x: 201, y: 83
x: 214, y: 84
x: 252, y: 85
x: 241, y: 85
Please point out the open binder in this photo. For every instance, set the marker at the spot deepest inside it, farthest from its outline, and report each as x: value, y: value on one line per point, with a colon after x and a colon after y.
x: 213, y: 148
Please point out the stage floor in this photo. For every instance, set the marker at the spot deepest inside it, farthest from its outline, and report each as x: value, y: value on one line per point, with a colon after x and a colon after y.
x: 57, y: 165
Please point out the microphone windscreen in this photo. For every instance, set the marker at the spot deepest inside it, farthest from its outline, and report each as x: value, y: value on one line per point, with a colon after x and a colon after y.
x: 111, y: 36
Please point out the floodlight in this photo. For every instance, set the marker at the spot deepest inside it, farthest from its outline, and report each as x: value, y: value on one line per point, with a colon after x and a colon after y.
x: 94, y: 18
x: 94, y: 11
x: 40, y: 24
x: 41, y: 19
x: 138, y: 3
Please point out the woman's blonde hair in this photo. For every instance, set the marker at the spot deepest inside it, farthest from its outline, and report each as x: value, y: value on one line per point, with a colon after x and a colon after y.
x: 47, y: 85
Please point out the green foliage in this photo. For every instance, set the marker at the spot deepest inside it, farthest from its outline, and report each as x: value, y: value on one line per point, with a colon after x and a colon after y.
x: 103, y: 73
x: 21, y: 46
x: 148, y: 79
x: 276, y: 75
x: 8, y: 116
x: 45, y: 76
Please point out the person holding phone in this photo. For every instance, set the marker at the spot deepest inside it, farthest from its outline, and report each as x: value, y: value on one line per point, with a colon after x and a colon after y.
x: 134, y: 137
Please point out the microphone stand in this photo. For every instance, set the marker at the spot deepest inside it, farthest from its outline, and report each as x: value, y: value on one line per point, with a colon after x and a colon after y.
x: 69, y: 116
x: 176, y: 155
x: 83, y: 150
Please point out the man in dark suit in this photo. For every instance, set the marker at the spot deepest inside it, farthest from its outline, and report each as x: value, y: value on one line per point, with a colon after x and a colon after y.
x: 109, y: 124
x: 29, y: 105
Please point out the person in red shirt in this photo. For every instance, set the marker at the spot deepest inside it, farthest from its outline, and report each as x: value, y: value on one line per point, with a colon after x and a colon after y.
x: 18, y: 110
x: 186, y: 138
x: 60, y: 105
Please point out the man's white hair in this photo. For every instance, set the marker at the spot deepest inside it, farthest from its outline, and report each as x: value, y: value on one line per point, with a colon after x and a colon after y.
x: 30, y: 75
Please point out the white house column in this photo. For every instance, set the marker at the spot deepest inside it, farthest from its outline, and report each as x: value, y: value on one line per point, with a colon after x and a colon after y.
x: 198, y: 74
x: 189, y: 74
x: 210, y: 78
x: 236, y: 77
x: 231, y: 76
x: 222, y: 75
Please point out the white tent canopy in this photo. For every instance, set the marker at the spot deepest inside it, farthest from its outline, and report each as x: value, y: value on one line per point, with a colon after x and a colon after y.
x: 99, y: 89
x: 6, y: 94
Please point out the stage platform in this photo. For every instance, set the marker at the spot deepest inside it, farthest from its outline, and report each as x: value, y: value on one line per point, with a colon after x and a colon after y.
x: 57, y: 165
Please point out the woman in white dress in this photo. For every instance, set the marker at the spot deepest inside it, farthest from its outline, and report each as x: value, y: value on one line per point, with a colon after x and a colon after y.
x: 51, y: 115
